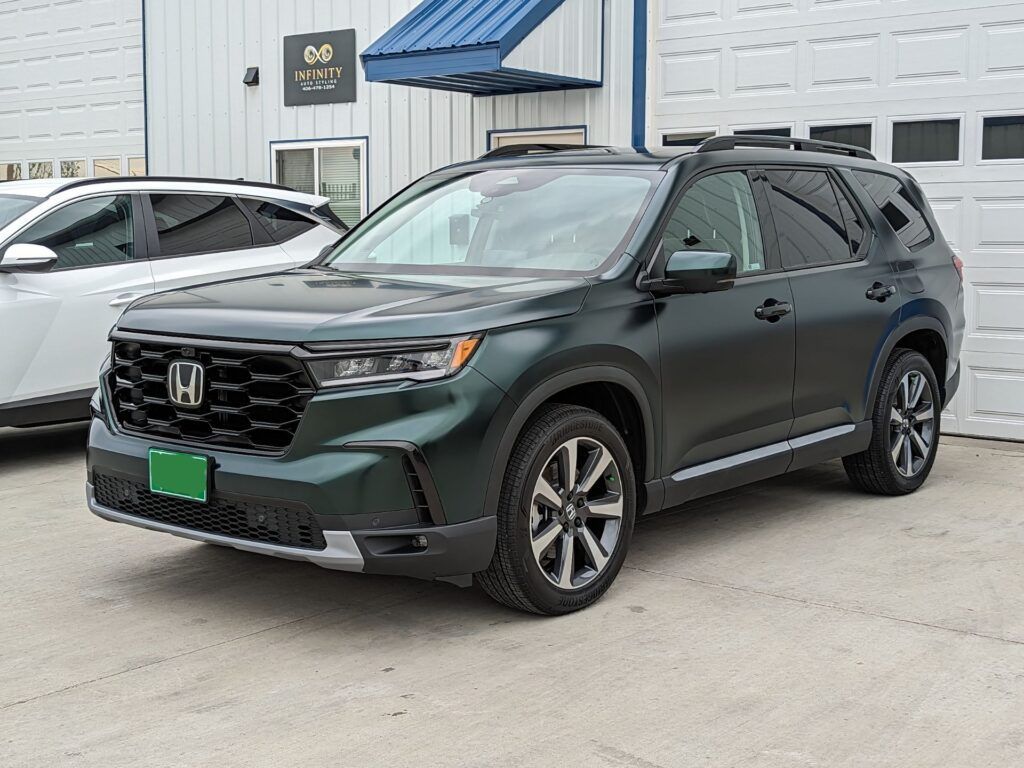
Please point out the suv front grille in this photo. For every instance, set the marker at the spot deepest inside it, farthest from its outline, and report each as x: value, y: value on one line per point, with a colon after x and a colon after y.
x: 289, y: 526
x: 253, y: 400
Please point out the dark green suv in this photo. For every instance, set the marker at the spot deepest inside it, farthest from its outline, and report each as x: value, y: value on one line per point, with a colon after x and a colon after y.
x: 501, y: 368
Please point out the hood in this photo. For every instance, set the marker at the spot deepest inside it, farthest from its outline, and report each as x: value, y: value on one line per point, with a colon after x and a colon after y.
x: 309, y: 305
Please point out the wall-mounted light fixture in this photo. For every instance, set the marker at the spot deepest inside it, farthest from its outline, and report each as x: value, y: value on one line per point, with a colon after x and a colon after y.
x: 252, y: 76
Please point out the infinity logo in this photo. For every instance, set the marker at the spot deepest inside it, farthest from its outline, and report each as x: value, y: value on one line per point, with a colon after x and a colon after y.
x: 324, y: 55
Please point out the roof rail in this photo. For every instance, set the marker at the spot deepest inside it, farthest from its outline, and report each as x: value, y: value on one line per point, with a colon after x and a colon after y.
x: 783, y: 142
x: 513, y: 150
x: 144, y: 179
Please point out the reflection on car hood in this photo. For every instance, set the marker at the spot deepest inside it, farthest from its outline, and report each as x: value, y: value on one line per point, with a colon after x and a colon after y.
x: 310, y: 305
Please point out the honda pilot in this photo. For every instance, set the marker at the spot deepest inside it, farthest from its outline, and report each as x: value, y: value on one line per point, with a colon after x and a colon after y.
x: 502, y: 368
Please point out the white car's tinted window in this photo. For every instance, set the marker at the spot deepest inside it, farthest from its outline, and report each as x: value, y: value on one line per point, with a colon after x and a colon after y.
x: 192, y: 224
x: 12, y: 206
x: 281, y: 223
x: 86, y: 233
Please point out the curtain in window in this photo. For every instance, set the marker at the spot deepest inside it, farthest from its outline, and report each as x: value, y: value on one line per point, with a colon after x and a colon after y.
x: 340, y: 181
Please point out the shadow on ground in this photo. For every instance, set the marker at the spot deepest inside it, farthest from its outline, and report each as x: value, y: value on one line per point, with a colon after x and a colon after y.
x: 20, y: 448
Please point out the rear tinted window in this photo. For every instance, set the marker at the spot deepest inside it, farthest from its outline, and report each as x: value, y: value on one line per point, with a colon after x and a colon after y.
x: 191, y: 224
x: 809, y: 221
x: 281, y: 223
x: 11, y: 207
x: 894, y: 201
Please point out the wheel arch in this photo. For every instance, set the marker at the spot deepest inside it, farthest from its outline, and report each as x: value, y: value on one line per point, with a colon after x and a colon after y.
x: 624, y: 401
x: 922, y: 333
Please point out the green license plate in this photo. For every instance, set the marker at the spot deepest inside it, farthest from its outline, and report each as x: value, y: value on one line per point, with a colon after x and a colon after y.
x: 182, y: 475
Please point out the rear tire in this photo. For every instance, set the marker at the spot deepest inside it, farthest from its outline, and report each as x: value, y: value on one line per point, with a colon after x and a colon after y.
x: 905, y: 429
x: 565, y: 513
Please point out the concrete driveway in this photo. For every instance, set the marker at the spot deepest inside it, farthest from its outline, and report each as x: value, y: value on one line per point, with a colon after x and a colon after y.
x: 793, y: 623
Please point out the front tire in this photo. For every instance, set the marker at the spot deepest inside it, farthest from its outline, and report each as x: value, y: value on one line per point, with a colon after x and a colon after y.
x: 565, y: 514
x: 905, y: 429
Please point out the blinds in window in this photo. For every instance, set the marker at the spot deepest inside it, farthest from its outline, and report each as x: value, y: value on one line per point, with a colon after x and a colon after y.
x: 295, y: 169
x: 340, y: 181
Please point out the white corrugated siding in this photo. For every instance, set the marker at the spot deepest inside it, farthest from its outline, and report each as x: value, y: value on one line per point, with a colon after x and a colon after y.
x: 204, y: 121
x: 567, y: 43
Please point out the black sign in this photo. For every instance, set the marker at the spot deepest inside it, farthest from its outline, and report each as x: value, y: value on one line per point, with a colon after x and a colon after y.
x: 320, y: 68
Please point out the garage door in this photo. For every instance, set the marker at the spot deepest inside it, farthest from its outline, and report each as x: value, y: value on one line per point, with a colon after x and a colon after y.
x: 934, y: 85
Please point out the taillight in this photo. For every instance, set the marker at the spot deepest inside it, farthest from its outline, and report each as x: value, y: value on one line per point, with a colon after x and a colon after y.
x: 958, y: 265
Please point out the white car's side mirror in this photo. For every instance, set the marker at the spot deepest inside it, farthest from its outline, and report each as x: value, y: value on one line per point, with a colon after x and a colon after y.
x: 26, y: 257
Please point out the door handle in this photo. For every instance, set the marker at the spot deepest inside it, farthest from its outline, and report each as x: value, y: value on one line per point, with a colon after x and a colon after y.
x: 879, y: 292
x: 773, y: 310
x: 125, y: 299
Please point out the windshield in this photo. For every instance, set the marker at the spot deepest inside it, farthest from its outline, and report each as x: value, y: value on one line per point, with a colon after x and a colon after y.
x: 12, y: 206
x: 500, y: 222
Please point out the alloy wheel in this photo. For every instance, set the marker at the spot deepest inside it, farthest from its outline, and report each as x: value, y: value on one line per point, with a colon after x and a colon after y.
x: 576, y: 513
x: 912, y: 430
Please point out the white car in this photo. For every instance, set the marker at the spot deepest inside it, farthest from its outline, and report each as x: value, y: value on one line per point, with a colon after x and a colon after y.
x: 75, y: 253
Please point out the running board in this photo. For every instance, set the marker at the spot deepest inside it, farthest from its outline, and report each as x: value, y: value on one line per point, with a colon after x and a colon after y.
x: 768, y: 461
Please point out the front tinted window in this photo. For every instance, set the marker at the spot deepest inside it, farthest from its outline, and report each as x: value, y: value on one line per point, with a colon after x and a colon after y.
x: 281, y: 223
x: 718, y: 213
x: 530, y: 219
x: 902, y: 213
x: 12, y: 206
x: 188, y: 224
x: 86, y: 233
x: 807, y: 217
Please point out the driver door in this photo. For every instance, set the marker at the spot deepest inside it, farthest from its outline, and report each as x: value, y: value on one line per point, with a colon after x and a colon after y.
x: 727, y: 374
x: 61, y: 318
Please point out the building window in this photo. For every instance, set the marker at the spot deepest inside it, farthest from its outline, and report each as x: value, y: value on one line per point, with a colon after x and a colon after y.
x: 72, y: 169
x: 926, y: 141
x: 782, y: 132
x: 108, y: 166
x: 542, y: 136
x: 685, y: 139
x: 1002, y: 138
x: 333, y: 169
x: 136, y: 166
x: 40, y: 169
x: 10, y: 171
x: 857, y: 135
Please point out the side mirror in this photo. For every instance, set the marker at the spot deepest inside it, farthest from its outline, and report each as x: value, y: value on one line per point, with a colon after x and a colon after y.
x: 26, y: 257
x: 698, y: 272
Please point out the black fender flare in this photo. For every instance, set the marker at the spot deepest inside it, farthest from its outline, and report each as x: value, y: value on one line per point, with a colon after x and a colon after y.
x: 908, y: 326
x: 541, y: 393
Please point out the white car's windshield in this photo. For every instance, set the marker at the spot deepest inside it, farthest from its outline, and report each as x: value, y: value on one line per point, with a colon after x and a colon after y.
x: 516, y: 220
x: 12, y: 206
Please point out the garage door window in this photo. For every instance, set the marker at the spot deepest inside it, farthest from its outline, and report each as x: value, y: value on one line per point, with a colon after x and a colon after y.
x: 86, y: 233
x: 1003, y: 138
x: 858, y: 135
x: 194, y: 224
x: 926, y: 141
x: 893, y: 199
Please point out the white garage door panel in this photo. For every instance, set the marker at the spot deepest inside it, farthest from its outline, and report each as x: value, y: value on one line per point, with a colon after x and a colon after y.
x: 722, y: 65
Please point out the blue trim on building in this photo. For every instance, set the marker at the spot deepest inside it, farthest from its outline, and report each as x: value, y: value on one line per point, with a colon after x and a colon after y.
x: 541, y: 129
x: 145, y: 93
x: 639, y: 73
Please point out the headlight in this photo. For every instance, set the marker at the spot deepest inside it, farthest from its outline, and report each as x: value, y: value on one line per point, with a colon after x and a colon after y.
x: 418, y: 360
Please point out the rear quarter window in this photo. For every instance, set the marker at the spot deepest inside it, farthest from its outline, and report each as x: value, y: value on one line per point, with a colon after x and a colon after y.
x: 894, y: 201
x: 281, y: 223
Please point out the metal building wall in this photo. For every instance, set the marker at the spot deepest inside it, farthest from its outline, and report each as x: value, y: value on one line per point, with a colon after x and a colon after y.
x: 204, y: 121
x: 70, y: 80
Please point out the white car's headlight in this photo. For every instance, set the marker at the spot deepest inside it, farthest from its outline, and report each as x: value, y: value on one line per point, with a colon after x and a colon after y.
x: 417, y: 360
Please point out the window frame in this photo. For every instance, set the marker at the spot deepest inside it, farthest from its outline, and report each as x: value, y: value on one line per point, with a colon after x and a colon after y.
x: 140, y: 245
x: 981, y: 117
x: 773, y: 263
x: 701, y: 134
x: 960, y: 117
x: 754, y: 129
x: 362, y: 142
x: 836, y: 181
x: 844, y: 122
x: 153, y: 236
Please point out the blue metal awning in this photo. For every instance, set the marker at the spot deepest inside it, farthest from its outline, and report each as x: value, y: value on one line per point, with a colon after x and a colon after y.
x: 491, y: 47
